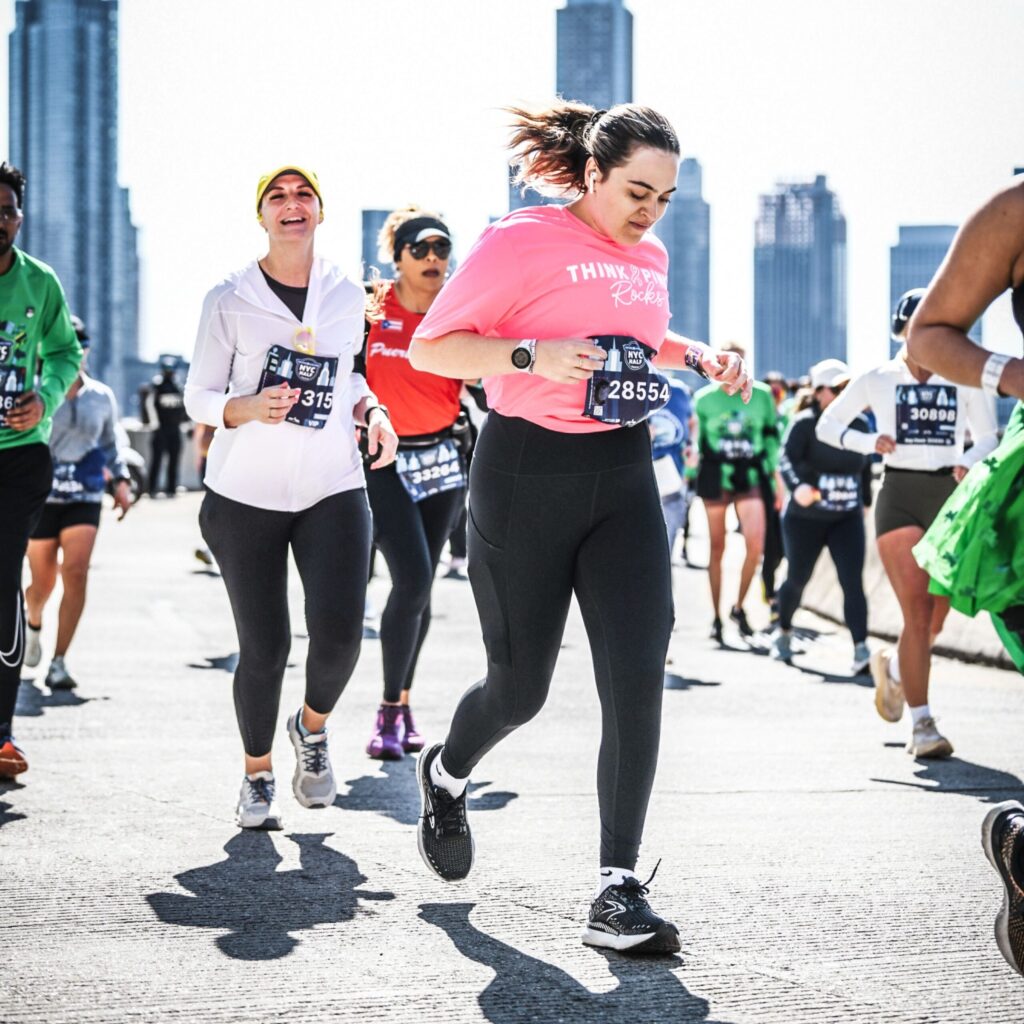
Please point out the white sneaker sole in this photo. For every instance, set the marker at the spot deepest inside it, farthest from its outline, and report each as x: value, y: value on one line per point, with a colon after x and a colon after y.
x: 938, y: 749
x: 33, y: 648
x: 652, y: 943
x: 877, y: 663
x: 1002, y: 925
x: 271, y: 823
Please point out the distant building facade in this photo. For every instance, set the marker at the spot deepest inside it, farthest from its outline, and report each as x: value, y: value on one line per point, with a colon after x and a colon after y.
x: 686, y: 231
x: 63, y: 135
x: 914, y: 259
x: 594, y: 54
x: 799, y: 278
x: 373, y: 221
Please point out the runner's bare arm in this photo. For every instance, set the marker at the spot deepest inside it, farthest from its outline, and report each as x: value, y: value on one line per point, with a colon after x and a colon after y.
x: 725, y: 368
x: 986, y: 258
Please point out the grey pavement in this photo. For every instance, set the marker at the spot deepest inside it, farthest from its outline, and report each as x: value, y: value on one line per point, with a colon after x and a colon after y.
x: 817, y: 872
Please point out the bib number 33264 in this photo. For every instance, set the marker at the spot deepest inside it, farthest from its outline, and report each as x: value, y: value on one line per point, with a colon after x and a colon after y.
x: 315, y: 376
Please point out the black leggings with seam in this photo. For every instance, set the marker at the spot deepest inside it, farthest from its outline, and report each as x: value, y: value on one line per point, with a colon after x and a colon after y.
x: 805, y: 538
x: 411, y: 536
x: 552, y: 514
x: 331, y: 545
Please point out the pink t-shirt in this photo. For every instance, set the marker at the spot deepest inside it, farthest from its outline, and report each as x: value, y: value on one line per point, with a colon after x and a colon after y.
x: 542, y: 273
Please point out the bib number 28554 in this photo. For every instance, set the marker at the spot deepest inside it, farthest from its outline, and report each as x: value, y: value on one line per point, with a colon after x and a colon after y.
x: 627, y: 389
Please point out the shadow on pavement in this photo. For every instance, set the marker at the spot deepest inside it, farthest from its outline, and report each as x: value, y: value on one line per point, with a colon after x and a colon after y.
x: 33, y: 701
x: 677, y: 682
x: 955, y: 775
x: 226, y: 663
x: 527, y: 989
x: 823, y: 676
x: 6, y: 814
x: 394, y: 793
x: 260, y: 906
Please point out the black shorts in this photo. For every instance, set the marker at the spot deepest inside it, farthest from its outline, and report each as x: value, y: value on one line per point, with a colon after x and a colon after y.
x: 59, y: 516
x: 910, y: 497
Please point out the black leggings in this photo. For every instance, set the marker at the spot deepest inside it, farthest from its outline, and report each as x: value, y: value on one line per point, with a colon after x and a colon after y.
x: 805, y: 537
x: 410, y: 535
x: 331, y: 545
x: 551, y: 514
x: 26, y: 476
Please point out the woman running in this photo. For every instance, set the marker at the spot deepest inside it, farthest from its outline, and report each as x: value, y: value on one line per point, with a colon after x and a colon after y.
x: 563, y: 310
x: 273, y: 372
x: 922, y: 422
x: 739, y: 450
x: 985, y: 260
x: 84, y: 450
x: 416, y: 501
x: 830, y: 490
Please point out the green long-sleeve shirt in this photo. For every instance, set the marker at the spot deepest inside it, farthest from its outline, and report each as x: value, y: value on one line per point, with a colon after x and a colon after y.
x: 35, y: 326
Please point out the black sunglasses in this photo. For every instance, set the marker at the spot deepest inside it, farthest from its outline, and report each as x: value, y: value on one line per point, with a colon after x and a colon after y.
x: 441, y: 248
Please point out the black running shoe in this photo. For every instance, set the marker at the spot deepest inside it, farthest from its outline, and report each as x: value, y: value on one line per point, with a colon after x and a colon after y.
x: 1002, y: 837
x: 716, y: 631
x: 622, y: 919
x: 739, y: 616
x: 445, y: 842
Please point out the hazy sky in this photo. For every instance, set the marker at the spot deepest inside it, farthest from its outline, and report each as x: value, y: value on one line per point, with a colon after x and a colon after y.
x: 913, y: 108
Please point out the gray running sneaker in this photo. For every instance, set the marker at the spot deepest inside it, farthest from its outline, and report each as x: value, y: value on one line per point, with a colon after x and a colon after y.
x: 889, y: 698
x: 313, y: 782
x: 861, y: 659
x: 33, y: 648
x: 257, y: 806
x: 57, y: 678
x: 1002, y: 838
x: 782, y: 646
x: 927, y: 741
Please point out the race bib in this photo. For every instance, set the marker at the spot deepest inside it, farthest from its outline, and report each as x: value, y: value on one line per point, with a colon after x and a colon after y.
x: 926, y: 414
x: 79, y: 481
x: 433, y: 470
x: 839, y: 492
x: 627, y: 389
x: 12, y: 387
x: 314, y: 375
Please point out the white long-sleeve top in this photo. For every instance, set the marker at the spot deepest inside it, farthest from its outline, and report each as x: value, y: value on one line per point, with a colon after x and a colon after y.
x: 283, y: 467
x: 927, y: 420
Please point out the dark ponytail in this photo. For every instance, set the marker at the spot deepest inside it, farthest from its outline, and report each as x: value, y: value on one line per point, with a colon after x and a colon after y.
x: 551, y: 146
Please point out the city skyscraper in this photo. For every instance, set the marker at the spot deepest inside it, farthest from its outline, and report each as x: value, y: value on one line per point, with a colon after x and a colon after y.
x: 63, y: 135
x: 373, y: 221
x: 799, y: 278
x: 594, y: 64
x: 914, y: 259
x: 685, y: 230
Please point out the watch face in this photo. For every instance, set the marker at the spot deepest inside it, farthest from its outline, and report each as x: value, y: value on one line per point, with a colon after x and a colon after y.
x: 521, y: 358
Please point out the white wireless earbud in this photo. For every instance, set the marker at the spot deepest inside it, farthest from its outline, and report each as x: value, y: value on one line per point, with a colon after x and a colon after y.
x: 593, y: 178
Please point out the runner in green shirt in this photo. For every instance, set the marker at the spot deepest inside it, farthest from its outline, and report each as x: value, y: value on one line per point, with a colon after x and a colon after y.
x: 39, y: 359
x: 739, y: 449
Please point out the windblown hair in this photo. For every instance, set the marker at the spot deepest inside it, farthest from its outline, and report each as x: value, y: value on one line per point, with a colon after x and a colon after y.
x: 551, y: 146
x: 10, y: 175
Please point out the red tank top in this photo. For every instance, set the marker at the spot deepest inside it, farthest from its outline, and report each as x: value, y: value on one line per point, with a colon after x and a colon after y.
x: 420, y: 403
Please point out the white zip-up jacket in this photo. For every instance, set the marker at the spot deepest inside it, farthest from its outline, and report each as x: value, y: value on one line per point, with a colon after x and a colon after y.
x: 283, y: 467
x: 878, y: 390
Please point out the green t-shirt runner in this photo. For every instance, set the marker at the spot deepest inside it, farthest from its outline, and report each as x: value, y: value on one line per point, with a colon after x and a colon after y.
x: 739, y: 444
x: 34, y: 326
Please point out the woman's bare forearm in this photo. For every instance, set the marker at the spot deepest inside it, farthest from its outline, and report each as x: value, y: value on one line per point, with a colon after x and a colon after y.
x: 463, y: 355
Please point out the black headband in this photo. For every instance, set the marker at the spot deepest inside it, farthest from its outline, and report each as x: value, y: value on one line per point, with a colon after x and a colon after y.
x: 407, y: 232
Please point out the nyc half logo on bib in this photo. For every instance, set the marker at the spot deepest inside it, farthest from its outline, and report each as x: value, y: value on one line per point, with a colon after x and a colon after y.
x: 314, y: 376
x: 926, y: 414
x: 627, y: 389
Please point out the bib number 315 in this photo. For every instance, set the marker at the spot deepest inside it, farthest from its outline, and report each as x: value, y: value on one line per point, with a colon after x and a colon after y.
x: 315, y: 376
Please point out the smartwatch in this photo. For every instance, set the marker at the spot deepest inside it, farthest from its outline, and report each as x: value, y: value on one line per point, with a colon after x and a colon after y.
x: 524, y: 355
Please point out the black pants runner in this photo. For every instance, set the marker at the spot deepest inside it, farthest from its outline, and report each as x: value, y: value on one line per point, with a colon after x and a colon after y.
x: 411, y: 536
x: 166, y: 445
x: 331, y: 545
x: 552, y: 514
x: 26, y: 476
x: 805, y: 538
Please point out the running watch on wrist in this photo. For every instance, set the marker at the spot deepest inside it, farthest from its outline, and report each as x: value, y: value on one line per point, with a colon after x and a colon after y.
x: 524, y: 355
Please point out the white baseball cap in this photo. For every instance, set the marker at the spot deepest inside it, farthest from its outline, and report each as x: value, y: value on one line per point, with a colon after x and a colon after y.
x: 829, y: 373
